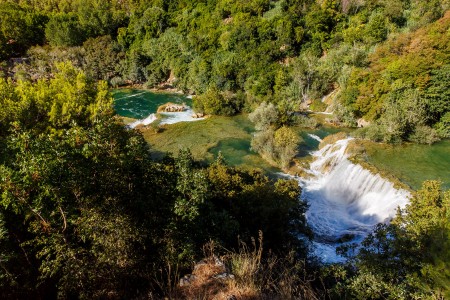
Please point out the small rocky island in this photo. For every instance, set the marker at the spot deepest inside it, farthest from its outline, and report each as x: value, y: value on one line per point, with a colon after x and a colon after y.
x: 172, y: 107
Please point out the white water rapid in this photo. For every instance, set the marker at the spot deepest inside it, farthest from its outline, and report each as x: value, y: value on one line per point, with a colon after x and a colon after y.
x: 167, y: 118
x: 150, y: 119
x: 346, y: 200
x: 182, y: 116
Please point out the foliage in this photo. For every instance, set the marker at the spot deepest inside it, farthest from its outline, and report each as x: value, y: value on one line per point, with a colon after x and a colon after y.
x: 424, y: 135
x: 67, y: 98
x: 235, y: 56
x: 19, y: 29
x: 443, y: 127
x: 304, y: 121
x: 403, y: 87
x: 408, y: 258
x: 212, y: 102
x: 64, y: 30
x: 43, y: 61
x: 86, y: 213
x: 276, y: 144
x: 264, y: 116
x: 102, y: 58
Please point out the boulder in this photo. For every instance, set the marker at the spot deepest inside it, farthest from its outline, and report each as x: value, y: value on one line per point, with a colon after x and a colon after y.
x: 172, y: 107
x: 198, y: 115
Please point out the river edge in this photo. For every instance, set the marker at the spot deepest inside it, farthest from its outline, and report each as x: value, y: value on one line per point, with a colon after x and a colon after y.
x: 209, y: 146
x: 202, y: 137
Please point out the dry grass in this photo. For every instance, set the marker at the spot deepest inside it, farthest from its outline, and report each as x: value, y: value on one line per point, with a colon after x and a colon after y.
x: 255, y: 276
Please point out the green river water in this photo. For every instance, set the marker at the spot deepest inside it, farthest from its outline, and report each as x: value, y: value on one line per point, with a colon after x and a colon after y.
x: 138, y: 104
x: 412, y: 164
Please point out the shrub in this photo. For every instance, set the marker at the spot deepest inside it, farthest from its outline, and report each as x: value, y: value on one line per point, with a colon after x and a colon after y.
x: 117, y: 81
x: 213, y: 102
x: 278, y: 147
x: 264, y: 116
x: 304, y: 121
x: 371, y: 132
x: 318, y: 105
x: 424, y: 135
x: 286, y: 142
x: 443, y: 127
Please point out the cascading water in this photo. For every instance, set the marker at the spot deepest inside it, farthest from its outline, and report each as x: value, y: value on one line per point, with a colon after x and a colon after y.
x: 346, y: 200
x: 176, y: 117
x: 168, y: 118
x: 150, y: 119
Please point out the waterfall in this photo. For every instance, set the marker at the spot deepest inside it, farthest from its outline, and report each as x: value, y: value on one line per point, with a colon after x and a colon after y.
x: 346, y: 200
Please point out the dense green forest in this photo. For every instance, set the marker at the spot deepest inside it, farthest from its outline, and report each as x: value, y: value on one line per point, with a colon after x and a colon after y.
x: 388, y: 61
x: 86, y: 213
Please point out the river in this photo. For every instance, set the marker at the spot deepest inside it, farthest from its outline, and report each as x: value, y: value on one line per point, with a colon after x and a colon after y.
x: 345, y: 199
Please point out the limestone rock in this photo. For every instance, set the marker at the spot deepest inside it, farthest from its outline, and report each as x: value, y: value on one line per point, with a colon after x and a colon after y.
x: 172, y: 107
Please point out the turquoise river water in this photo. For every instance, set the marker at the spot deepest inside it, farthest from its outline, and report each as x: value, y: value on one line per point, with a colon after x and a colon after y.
x: 412, y: 164
x: 345, y: 200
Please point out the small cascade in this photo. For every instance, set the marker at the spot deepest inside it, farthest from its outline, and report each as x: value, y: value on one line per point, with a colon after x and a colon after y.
x: 315, y: 137
x: 150, y: 119
x: 167, y: 118
x: 176, y: 117
x: 346, y: 200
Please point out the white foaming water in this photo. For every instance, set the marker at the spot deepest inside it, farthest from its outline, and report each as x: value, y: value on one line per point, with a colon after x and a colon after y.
x: 176, y: 117
x: 346, y: 200
x: 150, y: 119
x: 168, y: 118
x: 317, y: 138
